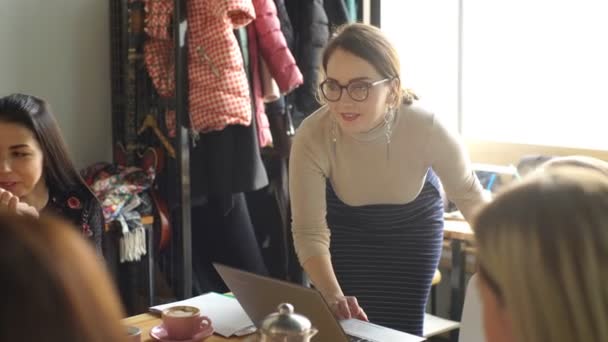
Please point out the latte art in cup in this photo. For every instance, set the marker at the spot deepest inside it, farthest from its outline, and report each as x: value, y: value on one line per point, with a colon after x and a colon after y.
x: 181, y: 312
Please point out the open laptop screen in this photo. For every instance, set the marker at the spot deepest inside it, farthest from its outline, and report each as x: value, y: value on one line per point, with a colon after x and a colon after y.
x: 260, y: 296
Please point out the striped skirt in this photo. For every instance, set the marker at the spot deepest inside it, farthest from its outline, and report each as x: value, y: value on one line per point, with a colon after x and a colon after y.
x: 386, y: 255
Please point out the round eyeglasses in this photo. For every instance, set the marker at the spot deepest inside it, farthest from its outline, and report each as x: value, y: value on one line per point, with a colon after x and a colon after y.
x: 357, y: 90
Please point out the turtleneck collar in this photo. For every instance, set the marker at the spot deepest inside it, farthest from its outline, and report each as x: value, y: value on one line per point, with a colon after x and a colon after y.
x: 373, y: 134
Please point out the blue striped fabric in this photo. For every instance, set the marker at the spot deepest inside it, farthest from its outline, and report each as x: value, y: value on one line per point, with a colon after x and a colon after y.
x: 386, y: 255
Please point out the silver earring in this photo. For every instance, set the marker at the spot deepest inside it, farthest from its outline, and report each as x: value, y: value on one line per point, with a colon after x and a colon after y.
x: 334, y: 134
x: 388, y: 121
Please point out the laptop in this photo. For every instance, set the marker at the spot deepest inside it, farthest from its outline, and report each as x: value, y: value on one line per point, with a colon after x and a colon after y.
x: 259, y: 296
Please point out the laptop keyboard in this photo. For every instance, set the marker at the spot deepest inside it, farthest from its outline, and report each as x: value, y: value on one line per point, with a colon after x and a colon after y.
x: 352, y: 338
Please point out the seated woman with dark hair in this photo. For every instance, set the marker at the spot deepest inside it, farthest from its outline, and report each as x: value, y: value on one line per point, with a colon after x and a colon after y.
x: 36, y: 172
x: 54, y: 286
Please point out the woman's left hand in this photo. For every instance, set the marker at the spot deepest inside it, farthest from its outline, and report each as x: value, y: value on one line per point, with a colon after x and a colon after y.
x: 10, y: 202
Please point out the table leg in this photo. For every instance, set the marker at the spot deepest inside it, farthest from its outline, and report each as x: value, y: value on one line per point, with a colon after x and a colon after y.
x: 457, y: 280
x: 150, y: 259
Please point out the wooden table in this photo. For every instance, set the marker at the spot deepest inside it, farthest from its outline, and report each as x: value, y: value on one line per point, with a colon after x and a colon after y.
x: 458, y: 230
x: 147, y: 321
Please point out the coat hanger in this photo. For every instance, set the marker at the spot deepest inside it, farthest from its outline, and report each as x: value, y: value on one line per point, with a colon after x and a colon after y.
x: 150, y: 122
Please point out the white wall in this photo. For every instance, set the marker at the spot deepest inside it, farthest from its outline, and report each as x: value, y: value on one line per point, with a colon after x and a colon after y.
x: 59, y: 50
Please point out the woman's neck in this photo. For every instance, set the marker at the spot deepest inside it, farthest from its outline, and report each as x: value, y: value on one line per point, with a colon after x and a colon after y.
x: 38, y: 197
x: 378, y: 130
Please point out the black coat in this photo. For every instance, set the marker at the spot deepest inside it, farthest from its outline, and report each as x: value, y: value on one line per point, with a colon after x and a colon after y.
x: 311, y: 20
x: 286, y: 26
x: 337, y: 13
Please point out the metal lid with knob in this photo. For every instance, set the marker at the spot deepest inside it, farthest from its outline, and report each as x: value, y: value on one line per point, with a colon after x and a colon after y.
x: 287, y: 323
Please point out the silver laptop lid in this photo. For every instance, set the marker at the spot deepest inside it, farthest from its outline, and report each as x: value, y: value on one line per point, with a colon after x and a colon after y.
x: 260, y: 296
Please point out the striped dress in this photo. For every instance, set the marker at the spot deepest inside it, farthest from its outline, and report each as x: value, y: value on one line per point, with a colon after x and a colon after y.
x: 386, y: 255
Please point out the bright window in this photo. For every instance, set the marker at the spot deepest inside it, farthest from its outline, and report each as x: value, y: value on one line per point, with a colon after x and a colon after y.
x: 425, y: 33
x: 533, y: 71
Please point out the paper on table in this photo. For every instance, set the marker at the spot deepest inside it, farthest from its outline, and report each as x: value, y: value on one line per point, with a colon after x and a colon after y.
x: 434, y: 325
x: 226, y: 314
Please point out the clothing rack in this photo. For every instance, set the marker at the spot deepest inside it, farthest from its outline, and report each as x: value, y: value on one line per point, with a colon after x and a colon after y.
x: 178, y: 264
x: 182, y: 219
x: 125, y: 67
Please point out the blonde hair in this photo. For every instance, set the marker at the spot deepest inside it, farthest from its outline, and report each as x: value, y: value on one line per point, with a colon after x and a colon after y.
x: 369, y: 43
x: 543, y: 250
x: 581, y: 161
x: 55, y: 286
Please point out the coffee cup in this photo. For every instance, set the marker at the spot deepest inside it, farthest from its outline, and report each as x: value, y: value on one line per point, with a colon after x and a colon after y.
x: 183, y: 322
x: 134, y: 334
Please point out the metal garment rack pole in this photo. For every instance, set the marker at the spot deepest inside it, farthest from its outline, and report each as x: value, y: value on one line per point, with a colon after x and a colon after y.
x: 180, y: 24
x: 374, y: 11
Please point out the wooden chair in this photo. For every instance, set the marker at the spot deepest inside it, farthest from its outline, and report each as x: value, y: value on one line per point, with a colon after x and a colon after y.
x: 471, y: 329
x: 434, y: 283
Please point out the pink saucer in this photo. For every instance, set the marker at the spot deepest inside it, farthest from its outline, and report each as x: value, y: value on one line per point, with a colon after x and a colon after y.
x: 160, y: 334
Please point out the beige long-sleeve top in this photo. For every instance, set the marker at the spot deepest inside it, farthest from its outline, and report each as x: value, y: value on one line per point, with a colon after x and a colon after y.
x: 363, y: 171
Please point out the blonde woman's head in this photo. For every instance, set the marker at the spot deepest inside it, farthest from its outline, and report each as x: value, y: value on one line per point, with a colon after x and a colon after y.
x: 580, y: 161
x: 543, y: 254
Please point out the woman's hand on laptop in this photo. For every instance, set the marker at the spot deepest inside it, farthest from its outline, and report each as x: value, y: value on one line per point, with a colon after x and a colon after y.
x: 345, y: 307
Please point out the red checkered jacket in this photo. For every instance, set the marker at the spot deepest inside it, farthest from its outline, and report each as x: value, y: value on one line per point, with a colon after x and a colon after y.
x: 218, y: 88
x: 158, y: 49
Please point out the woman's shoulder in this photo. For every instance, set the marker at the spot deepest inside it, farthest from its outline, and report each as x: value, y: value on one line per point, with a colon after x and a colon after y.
x: 417, y: 125
x: 78, y: 192
x: 418, y: 116
x: 74, y: 202
x: 318, y: 118
x: 315, y: 126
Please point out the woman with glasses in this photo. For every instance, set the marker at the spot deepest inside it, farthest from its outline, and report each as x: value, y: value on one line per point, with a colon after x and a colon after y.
x: 363, y: 170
